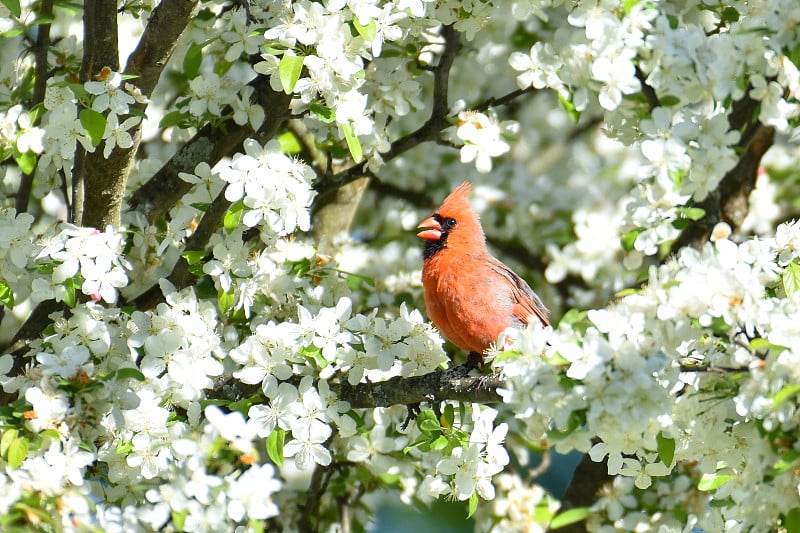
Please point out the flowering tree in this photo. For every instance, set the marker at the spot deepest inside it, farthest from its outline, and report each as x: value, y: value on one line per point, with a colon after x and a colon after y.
x: 211, y: 300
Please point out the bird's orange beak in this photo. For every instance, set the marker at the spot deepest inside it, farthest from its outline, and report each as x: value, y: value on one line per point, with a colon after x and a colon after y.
x: 431, y: 229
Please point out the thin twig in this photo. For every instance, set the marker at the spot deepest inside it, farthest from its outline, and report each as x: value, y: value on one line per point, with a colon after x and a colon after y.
x: 437, y: 121
x: 41, y: 48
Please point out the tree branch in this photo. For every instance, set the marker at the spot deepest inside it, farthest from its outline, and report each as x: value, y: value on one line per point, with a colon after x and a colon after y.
x: 730, y: 202
x: 40, y: 49
x: 587, y: 481
x: 156, y: 196
x: 106, y: 178
x: 166, y: 24
x: 427, y: 132
x: 451, y: 384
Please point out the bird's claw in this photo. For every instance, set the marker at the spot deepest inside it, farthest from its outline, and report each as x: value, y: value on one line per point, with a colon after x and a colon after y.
x: 475, y: 360
x: 413, y: 411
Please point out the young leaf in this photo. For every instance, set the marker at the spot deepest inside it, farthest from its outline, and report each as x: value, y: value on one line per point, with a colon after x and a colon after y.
x: 129, y: 373
x: 17, y: 452
x: 712, y: 481
x: 473, y: 504
x: 629, y: 239
x: 569, y: 107
x: 193, y: 256
x: 179, y: 519
x: 13, y: 6
x: 25, y: 161
x: 568, y: 517
x: 368, y: 32
x: 353, y: 144
x: 666, y: 448
x: 8, y: 437
x: 289, y: 143
x: 69, y: 295
x: 692, y: 213
x: 322, y: 112
x: 6, y: 295
x: 192, y: 60
x: 225, y: 300
x: 792, y: 521
x: 275, y: 446
x: 289, y: 70
x: 95, y: 125
x: 785, y: 393
x: 791, y: 278
x: 234, y: 216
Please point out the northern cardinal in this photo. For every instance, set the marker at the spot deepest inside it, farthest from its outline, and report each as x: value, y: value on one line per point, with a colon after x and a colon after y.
x: 470, y: 295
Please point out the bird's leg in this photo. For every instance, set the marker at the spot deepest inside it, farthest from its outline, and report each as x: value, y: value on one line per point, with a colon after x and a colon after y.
x: 436, y: 410
x: 413, y: 411
x: 475, y: 360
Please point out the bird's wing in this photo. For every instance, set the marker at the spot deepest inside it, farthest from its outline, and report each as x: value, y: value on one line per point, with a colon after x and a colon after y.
x: 526, y: 302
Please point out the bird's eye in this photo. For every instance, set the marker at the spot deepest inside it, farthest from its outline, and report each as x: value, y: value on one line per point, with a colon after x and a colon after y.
x: 449, y: 223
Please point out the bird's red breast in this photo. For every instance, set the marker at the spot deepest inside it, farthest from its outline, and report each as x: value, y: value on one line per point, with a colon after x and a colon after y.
x: 470, y: 295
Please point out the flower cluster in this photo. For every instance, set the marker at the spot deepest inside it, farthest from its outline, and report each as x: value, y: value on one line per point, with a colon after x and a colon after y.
x: 83, y: 258
x: 153, y: 387
x: 654, y: 360
x: 684, y: 133
x: 275, y: 189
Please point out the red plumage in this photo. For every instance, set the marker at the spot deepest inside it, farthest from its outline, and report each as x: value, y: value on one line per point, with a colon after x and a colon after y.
x: 470, y: 295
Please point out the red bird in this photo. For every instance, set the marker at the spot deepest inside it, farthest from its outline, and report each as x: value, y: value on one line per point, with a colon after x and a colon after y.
x: 470, y: 295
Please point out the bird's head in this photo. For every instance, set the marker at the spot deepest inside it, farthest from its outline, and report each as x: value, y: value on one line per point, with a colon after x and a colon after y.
x: 454, y: 226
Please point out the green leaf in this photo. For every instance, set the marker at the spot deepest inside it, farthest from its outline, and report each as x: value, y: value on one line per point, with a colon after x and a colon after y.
x: 95, y: 125
x: 69, y: 296
x: 5, y: 441
x: 17, y: 452
x: 627, y: 292
x: 25, y: 161
x: 571, y: 516
x: 368, y: 32
x: 785, y: 393
x: 627, y: 241
x: 289, y: 70
x: 448, y: 417
x: 628, y: 5
x: 353, y: 144
x: 669, y: 100
x: 13, y: 32
x: 193, y: 256
x: 760, y: 344
x: 129, y: 373
x: 473, y: 504
x: 791, y: 278
x: 6, y: 294
x: 712, y: 481
x: 275, y: 445
x: 692, y: 213
x: 124, y: 447
x: 289, y: 143
x: 792, y: 521
x: 192, y: 60
x: 439, y: 443
x: 234, y: 216
x: 729, y: 15
x: 787, y: 461
x: 225, y: 300
x: 323, y: 112
x: 174, y: 118
x: 666, y: 448
x: 179, y: 519
x: 13, y: 6
x: 569, y: 107
x: 427, y: 422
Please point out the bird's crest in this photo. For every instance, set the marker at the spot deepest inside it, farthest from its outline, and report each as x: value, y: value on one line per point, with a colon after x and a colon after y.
x: 457, y: 202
